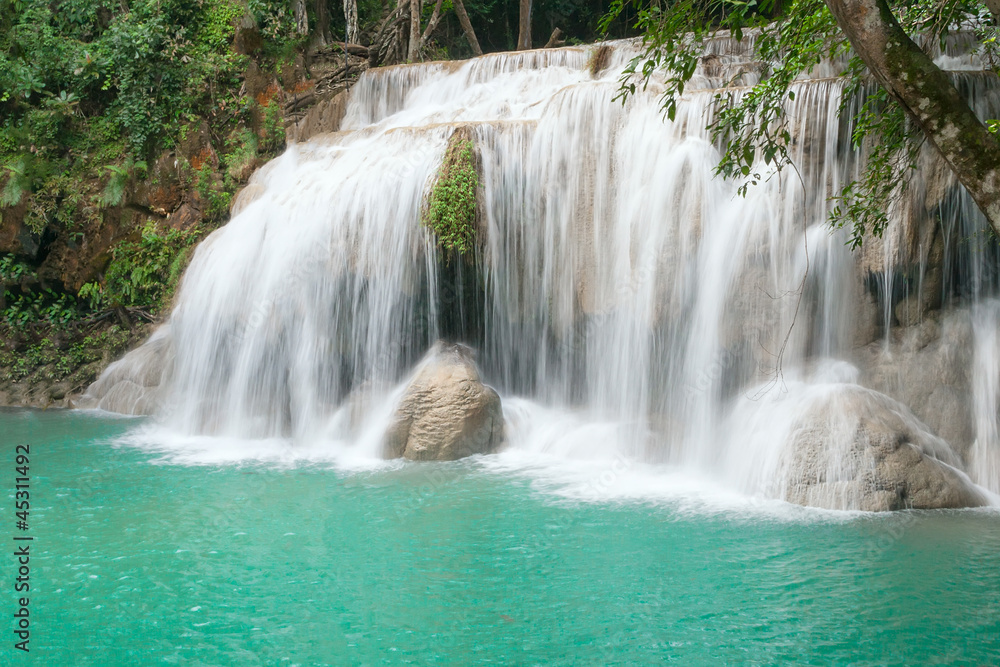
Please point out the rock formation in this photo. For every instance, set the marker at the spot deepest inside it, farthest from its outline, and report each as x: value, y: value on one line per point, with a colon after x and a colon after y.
x: 858, y: 449
x: 131, y: 385
x: 446, y: 412
x: 324, y: 116
x: 927, y: 368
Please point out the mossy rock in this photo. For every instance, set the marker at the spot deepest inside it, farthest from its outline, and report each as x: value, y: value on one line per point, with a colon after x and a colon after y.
x: 452, y: 205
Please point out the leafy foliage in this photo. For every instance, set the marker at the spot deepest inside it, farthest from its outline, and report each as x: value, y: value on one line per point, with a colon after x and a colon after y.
x: 144, y: 273
x: 89, y: 94
x: 52, y: 359
x: 243, y: 154
x: 114, y: 191
x: 274, y: 127
x: 451, y: 207
x: 88, y: 88
x: 892, y: 143
x: 17, y: 182
x: 12, y: 270
x: 750, y: 124
x: 22, y: 308
x: 792, y: 38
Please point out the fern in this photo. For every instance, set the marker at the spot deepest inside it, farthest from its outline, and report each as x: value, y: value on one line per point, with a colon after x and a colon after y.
x: 144, y: 273
x: 114, y: 191
x: 17, y: 183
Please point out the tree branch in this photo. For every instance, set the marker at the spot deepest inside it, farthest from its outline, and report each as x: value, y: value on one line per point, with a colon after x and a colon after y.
x: 433, y: 23
x: 928, y: 96
x: 556, y: 40
x: 470, y: 34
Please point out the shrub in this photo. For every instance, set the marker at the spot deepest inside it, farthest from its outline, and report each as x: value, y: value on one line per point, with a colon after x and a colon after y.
x: 144, y: 273
x: 451, y: 208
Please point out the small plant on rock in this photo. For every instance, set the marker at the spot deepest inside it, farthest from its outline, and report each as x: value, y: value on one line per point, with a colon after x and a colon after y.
x: 451, y: 206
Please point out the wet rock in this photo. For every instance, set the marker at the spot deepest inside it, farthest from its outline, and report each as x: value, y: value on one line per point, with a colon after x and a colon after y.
x: 15, y: 237
x: 58, y: 391
x: 913, y: 239
x: 247, y: 39
x: 913, y: 309
x: 446, y: 412
x: 927, y: 368
x: 195, y: 145
x: 131, y: 385
x: 867, y: 318
x: 324, y: 116
x: 858, y: 449
x: 293, y: 71
x: 909, y: 311
x: 73, y: 260
x: 187, y: 216
x: 162, y: 192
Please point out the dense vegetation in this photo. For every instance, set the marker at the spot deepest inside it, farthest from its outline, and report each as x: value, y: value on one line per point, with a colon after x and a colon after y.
x: 92, y: 94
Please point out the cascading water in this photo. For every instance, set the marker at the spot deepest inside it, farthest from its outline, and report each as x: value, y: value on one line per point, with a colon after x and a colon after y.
x: 985, y: 455
x: 618, y: 284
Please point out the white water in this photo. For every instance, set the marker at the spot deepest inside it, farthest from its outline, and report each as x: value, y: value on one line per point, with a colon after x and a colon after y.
x: 625, y: 301
x: 985, y: 465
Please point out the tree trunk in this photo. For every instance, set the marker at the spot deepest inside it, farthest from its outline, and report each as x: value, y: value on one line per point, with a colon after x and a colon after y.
x: 433, y: 23
x: 470, y: 34
x: 413, y: 52
x: 301, y: 17
x: 555, y: 39
x: 929, y: 97
x: 321, y: 36
x: 352, y: 34
x: 524, y: 27
x: 402, y: 32
x: 386, y: 44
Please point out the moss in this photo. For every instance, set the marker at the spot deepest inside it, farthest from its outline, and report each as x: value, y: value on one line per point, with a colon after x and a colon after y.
x: 451, y: 206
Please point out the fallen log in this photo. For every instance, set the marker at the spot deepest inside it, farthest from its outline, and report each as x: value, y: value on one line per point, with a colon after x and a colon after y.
x: 352, y: 49
x: 555, y: 39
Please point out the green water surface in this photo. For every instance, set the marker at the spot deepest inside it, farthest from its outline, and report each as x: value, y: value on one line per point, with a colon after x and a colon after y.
x: 137, y: 561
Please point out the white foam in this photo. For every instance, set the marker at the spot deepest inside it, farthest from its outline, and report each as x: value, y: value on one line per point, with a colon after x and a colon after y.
x: 174, y: 448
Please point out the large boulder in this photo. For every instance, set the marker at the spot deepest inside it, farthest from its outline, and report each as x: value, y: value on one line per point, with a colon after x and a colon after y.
x: 854, y: 448
x: 446, y: 412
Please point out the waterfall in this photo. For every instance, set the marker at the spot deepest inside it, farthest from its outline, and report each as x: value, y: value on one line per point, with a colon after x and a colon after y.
x: 986, y: 448
x: 618, y: 283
